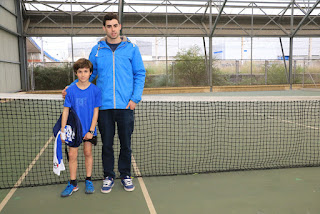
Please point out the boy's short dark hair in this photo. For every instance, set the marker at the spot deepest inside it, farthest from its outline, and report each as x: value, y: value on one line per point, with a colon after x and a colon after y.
x: 82, y: 63
x: 110, y: 16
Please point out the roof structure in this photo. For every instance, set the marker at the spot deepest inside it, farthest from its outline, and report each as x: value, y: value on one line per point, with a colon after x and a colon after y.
x: 175, y: 18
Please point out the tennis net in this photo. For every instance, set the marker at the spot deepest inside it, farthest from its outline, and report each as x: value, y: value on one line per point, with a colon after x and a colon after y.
x: 173, y: 135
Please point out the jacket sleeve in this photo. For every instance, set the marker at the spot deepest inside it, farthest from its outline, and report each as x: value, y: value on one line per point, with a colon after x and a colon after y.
x: 93, y: 60
x: 139, y: 75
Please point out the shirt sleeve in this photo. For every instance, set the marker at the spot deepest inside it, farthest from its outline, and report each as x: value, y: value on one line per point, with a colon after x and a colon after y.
x: 98, y: 98
x: 67, y: 101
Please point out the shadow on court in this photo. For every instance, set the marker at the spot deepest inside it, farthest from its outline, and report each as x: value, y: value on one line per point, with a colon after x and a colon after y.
x: 285, y: 191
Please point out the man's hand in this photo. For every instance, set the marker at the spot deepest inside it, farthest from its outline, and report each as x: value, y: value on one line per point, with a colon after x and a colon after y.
x: 131, y: 105
x: 64, y: 92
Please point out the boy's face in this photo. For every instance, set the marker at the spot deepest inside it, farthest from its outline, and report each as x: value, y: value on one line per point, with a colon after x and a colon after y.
x: 112, y: 29
x: 83, y: 74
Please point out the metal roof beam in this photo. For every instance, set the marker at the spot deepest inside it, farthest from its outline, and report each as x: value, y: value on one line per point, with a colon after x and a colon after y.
x: 145, y: 17
x: 85, y: 10
x: 9, y: 31
x: 311, y: 20
x: 204, y: 1
x: 305, y: 17
x: 9, y: 11
x: 272, y: 20
x: 188, y: 18
x: 275, y: 5
x: 217, y: 18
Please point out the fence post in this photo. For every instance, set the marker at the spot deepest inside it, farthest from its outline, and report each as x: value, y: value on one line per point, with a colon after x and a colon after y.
x: 237, y: 71
x: 266, y: 72
x: 172, y: 66
x: 32, y: 77
x: 304, y: 69
x: 294, y: 70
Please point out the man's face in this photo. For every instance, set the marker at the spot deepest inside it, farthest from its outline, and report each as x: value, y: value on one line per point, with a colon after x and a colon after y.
x: 112, y: 29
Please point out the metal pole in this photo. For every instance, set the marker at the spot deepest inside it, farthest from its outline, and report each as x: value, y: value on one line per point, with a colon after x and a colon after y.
x: 266, y: 72
x: 167, y: 43
x: 22, y: 48
x: 167, y: 72
x: 304, y: 69
x: 72, y: 58
x: 210, y: 62
x: 293, y: 33
x: 294, y: 70
x: 310, y: 49
x: 42, y: 52
x: 290, y: 62
x: 237, y: 71
x: 291, y: 45
x: 210, y: 47
x: 241, y: 49
x: 251, y: 44
x: 206, y: 58
x: 217, y: 18
x: 284, y: 60
x: 120, y: 13
x: 32, y: 73
x: 251, y: 63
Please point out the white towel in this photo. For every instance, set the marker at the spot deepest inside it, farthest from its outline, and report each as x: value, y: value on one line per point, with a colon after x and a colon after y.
x: 58, y: 164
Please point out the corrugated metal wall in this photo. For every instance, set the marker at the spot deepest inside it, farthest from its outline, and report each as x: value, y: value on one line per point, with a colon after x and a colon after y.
x: 10, y: 80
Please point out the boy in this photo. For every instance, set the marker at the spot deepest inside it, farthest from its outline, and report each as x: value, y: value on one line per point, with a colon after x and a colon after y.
x: 85, y: 99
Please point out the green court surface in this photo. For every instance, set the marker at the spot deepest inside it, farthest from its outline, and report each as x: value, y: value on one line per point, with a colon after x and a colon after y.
x: 177, y: 138
x: 285, y: 191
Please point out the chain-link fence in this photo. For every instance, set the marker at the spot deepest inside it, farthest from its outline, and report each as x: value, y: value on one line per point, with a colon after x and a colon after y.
x: 180, y: 73
x: 50, y: 75
x: 231, y: 72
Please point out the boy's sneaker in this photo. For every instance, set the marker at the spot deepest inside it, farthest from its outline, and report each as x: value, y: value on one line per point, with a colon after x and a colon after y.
x: 69, y: 190
x: 107, y: 185
x: 127, y: 184
x: 89, y: 187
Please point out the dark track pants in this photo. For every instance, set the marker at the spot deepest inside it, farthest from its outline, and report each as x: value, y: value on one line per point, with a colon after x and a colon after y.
x: 124, y: 118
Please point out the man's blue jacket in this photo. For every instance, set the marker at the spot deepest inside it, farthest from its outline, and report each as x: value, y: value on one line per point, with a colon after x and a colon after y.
x: 120, y: 74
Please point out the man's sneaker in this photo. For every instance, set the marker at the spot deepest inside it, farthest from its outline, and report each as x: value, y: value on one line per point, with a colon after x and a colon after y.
x: 107, y: 185
x: 69, y: 190
x: 89, y: 187
x: 127, y: 184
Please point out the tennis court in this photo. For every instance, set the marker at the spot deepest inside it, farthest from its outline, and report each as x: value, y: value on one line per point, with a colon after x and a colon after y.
x: 211, y: 149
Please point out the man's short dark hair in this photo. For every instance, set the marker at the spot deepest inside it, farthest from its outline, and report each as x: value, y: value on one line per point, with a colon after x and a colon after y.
x: 82, y: 63
x: 110, y: 16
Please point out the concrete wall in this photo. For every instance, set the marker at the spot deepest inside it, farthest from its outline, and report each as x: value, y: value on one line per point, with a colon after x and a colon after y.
x: 10, y: 80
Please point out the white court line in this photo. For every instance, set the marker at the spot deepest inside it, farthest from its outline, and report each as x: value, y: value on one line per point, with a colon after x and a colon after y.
x: 23, y: 176
x: 286, y: 121
x: 146, y: 195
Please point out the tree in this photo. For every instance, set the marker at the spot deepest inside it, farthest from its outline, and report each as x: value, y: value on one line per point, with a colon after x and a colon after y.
x: 189, y: 68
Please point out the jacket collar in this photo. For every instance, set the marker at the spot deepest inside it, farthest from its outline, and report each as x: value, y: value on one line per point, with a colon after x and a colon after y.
x: 123, y: 39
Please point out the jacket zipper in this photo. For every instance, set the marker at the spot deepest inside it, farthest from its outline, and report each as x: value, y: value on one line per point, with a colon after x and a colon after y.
x: 114, y: 71
x: 114, y: 80
x: 114, y: 76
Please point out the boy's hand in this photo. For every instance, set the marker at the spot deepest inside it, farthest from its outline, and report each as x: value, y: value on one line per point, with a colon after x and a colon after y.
x: 64, y: 92
x: 63, y: 137
x: 88, y: 136
x: 131, y: 105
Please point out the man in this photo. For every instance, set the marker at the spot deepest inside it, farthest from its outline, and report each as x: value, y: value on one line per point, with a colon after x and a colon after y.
x: 121, y: 76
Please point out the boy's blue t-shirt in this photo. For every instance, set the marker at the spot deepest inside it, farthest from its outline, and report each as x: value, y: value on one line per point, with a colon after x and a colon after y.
x: 83, y: 103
